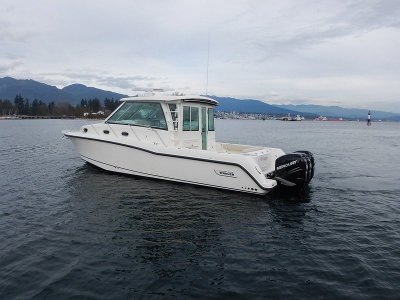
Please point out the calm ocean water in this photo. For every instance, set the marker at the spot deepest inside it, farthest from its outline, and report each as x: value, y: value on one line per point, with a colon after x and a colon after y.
x: 69, y: 230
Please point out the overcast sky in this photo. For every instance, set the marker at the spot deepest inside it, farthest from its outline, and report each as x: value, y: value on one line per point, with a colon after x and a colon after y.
x: 344, y: 53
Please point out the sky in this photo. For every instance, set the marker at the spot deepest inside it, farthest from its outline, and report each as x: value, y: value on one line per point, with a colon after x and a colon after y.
x: 343, y: 53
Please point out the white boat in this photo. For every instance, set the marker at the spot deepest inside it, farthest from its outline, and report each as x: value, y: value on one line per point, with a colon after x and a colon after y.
x: 289, y: 118
x: 173, y: 138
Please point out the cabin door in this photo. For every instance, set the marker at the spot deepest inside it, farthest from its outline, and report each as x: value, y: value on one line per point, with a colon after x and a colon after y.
x: 204, y: 128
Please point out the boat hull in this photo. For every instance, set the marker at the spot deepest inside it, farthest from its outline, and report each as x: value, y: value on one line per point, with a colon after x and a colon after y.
x: 173, y: 166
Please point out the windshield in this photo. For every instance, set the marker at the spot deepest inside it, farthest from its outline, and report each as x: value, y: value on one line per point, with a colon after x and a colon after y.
x: 140, y: 114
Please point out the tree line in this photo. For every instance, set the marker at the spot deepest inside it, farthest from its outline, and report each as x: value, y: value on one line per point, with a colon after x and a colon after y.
x: 23, y: 106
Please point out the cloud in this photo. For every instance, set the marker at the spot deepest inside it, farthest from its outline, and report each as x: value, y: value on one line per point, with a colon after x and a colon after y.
x: 11, y: 34
x: 355, y: 18
x: 102, y: 79
x: 9, y: 63
x: 124, y: 82
x: 325, y: 51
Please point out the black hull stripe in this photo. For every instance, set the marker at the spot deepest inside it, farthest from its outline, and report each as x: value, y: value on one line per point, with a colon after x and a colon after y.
x: 173, y: 155
x: 147, y: 175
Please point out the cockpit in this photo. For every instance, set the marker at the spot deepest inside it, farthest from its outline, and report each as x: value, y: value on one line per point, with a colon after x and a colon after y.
x: 188, y: 121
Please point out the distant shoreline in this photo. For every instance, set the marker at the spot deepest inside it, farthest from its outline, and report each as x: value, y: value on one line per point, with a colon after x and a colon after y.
x: 35, y: 117
x: 46, y: 118
x: 238, y: 119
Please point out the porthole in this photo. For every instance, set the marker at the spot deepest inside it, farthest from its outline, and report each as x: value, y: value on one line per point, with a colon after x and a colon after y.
x: 85, y: 130
x: 124, y: 133
x: 106, y: 131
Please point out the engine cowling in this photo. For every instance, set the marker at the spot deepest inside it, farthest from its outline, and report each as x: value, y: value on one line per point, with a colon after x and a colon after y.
x: 294, y: 171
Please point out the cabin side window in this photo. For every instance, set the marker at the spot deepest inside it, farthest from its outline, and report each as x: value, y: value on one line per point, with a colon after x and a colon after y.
x: 190, y: 118
x: 174, y: 115
x: 145, y: 114
x: 211, y: 124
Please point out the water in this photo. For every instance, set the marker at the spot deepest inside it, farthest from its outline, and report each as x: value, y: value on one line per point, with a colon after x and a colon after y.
x: 69, y: 230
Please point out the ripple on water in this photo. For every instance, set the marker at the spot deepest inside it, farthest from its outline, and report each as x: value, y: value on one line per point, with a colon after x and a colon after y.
x: 69, y: 230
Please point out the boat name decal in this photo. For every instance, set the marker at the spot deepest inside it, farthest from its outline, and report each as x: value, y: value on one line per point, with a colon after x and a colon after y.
x: 287, y: 165
x: 225, y: 173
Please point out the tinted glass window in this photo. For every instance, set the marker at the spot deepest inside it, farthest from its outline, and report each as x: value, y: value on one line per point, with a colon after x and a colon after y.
x: 211, y: 125
x: 140, y: 114
x: 194, y: 118
x: 186, y: 118
x: 190, y: 118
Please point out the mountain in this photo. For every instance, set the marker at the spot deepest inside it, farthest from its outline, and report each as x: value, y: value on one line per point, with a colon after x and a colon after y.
x: 31, y: 89
x: 80, y: 91
x: 10, y: 87
x: 340, y: 112
x: 228, y: 104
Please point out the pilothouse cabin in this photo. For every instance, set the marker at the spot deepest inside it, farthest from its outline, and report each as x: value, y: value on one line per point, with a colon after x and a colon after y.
x: 172, y: 121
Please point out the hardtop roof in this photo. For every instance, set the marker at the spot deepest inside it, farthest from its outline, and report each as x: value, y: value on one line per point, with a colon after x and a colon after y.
x: 160, y: 98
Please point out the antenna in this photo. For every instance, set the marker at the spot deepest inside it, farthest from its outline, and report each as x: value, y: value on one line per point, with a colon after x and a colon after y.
x: 208, y: 59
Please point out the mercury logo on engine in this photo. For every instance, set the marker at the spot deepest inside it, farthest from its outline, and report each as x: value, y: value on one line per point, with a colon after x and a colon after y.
x: 287, y: 165
x: 225, y: 173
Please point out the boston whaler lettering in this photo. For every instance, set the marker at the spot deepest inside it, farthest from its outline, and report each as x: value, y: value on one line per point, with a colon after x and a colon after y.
x: 173, y: 138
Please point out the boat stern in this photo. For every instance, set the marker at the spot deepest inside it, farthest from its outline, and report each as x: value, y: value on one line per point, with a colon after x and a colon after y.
x: 293, y: 171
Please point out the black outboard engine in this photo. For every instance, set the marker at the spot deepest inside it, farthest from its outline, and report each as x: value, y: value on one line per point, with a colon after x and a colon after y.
x: 294, y: 171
